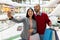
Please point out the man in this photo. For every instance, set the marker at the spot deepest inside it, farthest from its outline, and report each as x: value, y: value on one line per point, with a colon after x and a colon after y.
x: 41, y: 19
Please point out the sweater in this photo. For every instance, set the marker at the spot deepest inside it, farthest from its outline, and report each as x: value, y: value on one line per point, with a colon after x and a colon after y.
x: 41, y: 21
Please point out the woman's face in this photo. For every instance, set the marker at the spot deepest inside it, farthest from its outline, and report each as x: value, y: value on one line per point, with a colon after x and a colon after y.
x: 30, y: 13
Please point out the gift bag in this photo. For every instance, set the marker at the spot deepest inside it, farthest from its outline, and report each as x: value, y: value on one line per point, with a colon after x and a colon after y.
x: 57, y: 38
x: 48, y: 34
x: 54, y: 35
x: 35, y: 37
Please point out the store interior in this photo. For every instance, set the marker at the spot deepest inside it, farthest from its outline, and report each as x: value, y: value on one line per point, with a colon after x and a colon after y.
x: 8, y: 29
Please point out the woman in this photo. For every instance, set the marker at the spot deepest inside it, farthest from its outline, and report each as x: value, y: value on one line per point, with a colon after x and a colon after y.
x: 29, y: 23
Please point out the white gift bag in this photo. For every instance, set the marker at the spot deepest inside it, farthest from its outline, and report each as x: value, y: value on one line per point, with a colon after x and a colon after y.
x: 35, y: 37
x: 53, y: 36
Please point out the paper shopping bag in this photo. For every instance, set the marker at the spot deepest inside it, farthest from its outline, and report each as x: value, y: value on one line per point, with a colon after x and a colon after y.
x: 56, y: 36
x: 53, y: 35
x: 47, y: 34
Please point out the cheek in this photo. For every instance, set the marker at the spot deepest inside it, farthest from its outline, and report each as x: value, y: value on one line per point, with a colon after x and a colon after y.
x: 32, y: 13
x: 38, y: 7
x: 28, y: 13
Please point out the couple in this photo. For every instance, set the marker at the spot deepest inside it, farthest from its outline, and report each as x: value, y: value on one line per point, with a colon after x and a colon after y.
x: 33, y: 22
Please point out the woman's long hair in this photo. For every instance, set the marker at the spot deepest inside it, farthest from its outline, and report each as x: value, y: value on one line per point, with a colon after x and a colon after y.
x: 33, y: 17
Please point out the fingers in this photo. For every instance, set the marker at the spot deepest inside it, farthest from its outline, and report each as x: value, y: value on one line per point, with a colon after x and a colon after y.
x: 30, y: 31
x: 9, y: 14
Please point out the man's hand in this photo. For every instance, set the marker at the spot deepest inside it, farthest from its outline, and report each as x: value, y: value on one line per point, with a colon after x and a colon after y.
x: 50, y: 24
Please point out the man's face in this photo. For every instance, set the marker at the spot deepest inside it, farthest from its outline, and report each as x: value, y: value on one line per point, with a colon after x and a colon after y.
x: 37, y: 8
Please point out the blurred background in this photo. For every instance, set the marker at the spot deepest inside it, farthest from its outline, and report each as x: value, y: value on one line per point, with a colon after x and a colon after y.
x: 8, y: 29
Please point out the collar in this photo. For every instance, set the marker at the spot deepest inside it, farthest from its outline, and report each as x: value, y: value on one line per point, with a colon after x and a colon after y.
x: 40, y: 14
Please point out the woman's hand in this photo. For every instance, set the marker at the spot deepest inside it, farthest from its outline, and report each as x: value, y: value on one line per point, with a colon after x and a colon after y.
x: 9, y: 14
x: 30, y: 31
